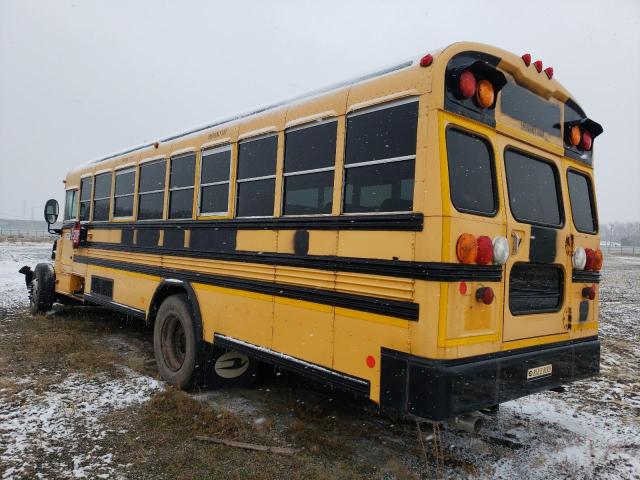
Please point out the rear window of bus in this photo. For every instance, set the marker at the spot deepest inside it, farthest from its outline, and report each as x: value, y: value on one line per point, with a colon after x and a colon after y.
x: 533, y: 189
x: 582, y: 205
x: 471, y: 173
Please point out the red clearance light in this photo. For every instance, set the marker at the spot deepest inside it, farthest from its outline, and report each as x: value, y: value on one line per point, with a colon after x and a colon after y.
x: 485, y: 250
x: 526, y: 58
x: 467, y: 84
x: 538, y: 65
x: 549, y: 72
x: 589, y: 292
x: 426, y: 60
x: 485, y: 295
x: 587, y: 140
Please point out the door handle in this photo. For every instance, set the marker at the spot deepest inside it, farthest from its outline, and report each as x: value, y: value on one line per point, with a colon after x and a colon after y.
x: 516, y: 240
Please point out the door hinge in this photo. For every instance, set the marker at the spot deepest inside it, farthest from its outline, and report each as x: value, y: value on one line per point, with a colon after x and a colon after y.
x: 568, y: 244
x: 567, y: 318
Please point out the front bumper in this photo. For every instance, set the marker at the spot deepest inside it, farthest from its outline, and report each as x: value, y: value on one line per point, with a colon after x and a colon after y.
x: 438, y: 390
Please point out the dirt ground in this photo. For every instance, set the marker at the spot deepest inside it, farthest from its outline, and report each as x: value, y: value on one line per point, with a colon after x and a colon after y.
x: 80, y: 398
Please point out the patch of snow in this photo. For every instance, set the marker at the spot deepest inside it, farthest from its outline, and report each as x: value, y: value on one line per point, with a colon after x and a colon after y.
x: 62, y: 427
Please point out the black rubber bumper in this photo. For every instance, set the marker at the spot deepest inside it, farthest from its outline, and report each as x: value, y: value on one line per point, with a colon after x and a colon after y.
x: 439, y: 390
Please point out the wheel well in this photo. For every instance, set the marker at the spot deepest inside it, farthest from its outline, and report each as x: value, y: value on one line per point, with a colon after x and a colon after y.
x: 168, y: 288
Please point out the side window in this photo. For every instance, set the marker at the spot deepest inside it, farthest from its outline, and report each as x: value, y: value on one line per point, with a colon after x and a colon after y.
x: 71, y: 205
x: 214, y: 181
x: 309, y: 163
x: 582, y: 204
x: 181, y: 178
x: 471, y: 173
x: 102, y: 197
x: 380, y: 159
x: 151, y: 190
x: 533, y: 189
x: 125, y: 185
x: 256, y: 177
x: 85, y: 198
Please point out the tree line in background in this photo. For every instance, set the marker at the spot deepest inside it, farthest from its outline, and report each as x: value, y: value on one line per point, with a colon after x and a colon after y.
x: 625, y: 234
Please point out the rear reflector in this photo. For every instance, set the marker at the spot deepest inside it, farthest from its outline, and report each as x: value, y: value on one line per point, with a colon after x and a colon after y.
x: 485, y: 295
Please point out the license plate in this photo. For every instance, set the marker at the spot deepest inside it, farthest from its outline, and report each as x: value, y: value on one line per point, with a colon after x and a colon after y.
x: 537, y: 372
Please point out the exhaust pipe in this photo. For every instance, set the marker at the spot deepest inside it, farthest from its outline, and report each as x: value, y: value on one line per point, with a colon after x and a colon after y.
x: 469, y: 422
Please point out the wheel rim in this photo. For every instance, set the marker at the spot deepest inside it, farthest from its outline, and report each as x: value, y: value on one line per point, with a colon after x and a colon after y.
x: 174, y: 343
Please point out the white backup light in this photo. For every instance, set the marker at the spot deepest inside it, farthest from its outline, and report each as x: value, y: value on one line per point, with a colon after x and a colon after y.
x: 579, y: 258
x: 500, y: 250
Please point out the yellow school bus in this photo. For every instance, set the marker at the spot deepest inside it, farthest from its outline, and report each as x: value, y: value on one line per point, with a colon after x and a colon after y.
x: 425, y: 236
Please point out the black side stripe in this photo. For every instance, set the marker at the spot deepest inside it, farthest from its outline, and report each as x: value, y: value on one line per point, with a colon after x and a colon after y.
x: 412, y: 222
x: 382, y: 306
x: 431, y: 271
x: 107, y: 302
x: 317, y: 372
x: 585, y: 276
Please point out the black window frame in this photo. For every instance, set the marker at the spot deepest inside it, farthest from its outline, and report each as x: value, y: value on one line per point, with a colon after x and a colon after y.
x: 191, y: 187
x: 297, y: 173
x: 592, y: 201
x: 213, y: 151
x: 494, y: 175
x: 556, y: 174
x: 97, y: 199
x: 140, y: 194
x: 240, y: 181
x: 124, y: 171
x: 75, y: 204
x: 89, y: 200
x: 355, y: 165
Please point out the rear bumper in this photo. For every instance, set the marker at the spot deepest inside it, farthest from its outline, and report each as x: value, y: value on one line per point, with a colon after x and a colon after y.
x: 438, y: 390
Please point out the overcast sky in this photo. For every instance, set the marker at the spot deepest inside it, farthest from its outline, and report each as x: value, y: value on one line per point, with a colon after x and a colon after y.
x: 79, y: 79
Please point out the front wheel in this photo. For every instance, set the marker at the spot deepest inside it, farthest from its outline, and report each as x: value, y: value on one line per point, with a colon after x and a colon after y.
x: 43, y: 289
x: 174, y: 342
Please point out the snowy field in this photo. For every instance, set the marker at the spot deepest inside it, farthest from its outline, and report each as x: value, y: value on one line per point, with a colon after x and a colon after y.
x: 590, y: 431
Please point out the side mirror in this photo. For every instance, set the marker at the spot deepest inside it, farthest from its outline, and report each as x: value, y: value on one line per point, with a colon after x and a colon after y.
x: 51, y: 210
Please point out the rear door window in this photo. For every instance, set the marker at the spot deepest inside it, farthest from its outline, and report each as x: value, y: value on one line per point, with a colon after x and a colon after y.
x: 582, y: 204
x: 471, y: 173
x: 533, y: 189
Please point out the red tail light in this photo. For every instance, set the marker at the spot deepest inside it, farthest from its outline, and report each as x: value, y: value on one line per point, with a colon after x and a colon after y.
x: 485, y: 250
x: 591, y: 259
x: 485, y: 295
x: 467, y: 84
x: 526, y: 58
x: 538, y: 65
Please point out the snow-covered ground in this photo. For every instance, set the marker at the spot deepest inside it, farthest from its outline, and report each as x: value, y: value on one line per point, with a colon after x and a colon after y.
x: 55, y: 433
x: 590, y: 431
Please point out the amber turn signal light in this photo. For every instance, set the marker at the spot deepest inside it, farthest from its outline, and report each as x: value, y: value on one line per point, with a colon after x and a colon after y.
x: 597, y: 260
x: 575, y: 135
x: 467, y: 248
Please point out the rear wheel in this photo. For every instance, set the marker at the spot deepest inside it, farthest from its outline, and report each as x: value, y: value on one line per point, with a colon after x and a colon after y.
x: 174, y: 342
x: 43, y: 289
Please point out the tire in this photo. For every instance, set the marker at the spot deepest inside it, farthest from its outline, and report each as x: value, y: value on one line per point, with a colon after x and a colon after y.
x: 174, y: 343
x: 43, y: 289
x: 230, y: 368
